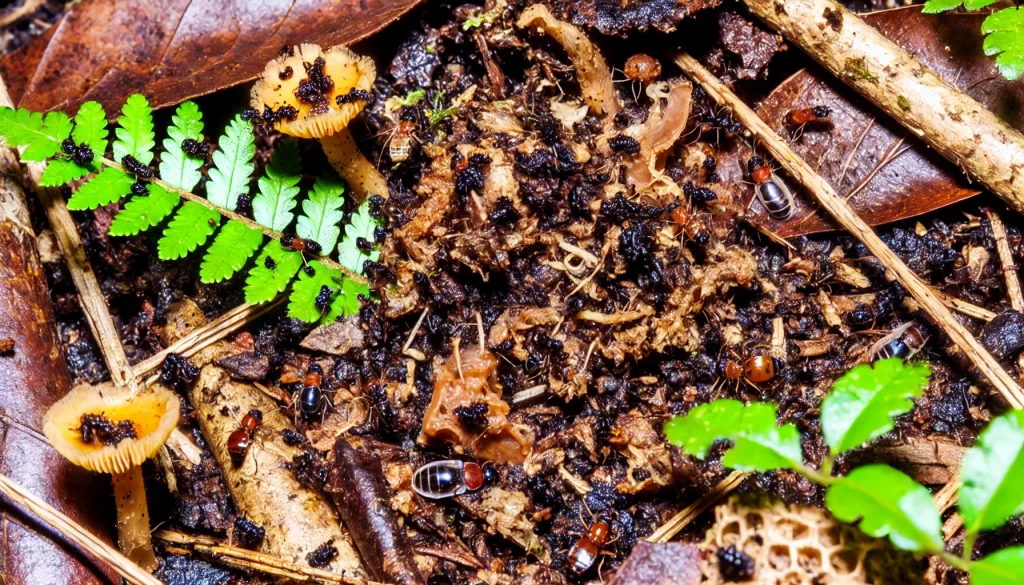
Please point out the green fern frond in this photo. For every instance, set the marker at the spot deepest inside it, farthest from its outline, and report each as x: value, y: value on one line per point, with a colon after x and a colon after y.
x: 91, y: 129
x: 361, y: 225
x: 105, y: 188
x: 322, y: 213
x: 267, y: 279
x: 176, y: 167
x: 1005, y: 40
x: 188, y: 230
x: 235, y: 244
x: 41, y: 136
x: 135, y: 130
x: 347, y: 301
x: 59, y: 171
x: 936, y: 6
x: 305, y: 290
x: 273, y: 205
x: 142, y: 213
x: 233, y: 165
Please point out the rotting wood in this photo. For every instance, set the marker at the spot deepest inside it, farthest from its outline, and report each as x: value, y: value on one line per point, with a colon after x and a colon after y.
x: 951, y: 122
x: 835, y: 205
x: 1013, y: 290
x: 75, y: 533
x: 681, y: 519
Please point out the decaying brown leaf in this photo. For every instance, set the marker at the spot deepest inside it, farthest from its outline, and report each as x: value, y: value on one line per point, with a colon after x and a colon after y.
x: 879, y: 166
x: 106, y: 50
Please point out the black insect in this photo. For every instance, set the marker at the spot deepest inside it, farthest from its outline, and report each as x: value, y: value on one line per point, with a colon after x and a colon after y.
x: 309, y: 270
x: 311, y: 397
x: 139, y: 188
x: 133, y: 166
x: 354, y: 95
x: 195, y: 149
x: 735, y: 565
x: 249, y: 114
x: 269, y: 263
x: 323, y: 300
x: 623, y: 143
x: 81, y: 153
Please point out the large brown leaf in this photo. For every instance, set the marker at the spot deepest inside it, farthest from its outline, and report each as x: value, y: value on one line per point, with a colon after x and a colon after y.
x: 884, y: 171
x: 173, y: 50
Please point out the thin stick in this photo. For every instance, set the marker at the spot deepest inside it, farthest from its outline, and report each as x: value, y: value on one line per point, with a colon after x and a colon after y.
x: 846, y: 217
x: 965, y: 308
x: 415, y: 328
x: 947, y: 119
x: 76, y: 533
x: 676, y: 523
x: 480, y: 330
x: 234, y: 216
x: 262, y: 562
x: 1006, y: 259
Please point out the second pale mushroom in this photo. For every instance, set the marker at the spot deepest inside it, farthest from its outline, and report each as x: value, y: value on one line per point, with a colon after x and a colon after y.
x: 312, y: 93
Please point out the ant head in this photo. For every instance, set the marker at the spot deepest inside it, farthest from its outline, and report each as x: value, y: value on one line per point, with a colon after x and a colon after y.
x: 316, y: 369
x: 755, y: 162
x: 491, y: 476
x: 256, y: 414
x: 312, y: 247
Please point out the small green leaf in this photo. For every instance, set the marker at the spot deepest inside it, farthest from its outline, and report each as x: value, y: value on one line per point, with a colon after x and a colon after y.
x: 1005, y: 567
x: 91, y: 128
x: 1005, y: 38
x: 41, y: 136
x: 993, y: 474
x: 273, y: 205
x: 105, y: 188
x: 59, y: 171
x: 361, y: 225
x: 887, y: 502
x: 347, y: 301
x: 232, y: 163
x: 267, y: 279
x: 936, y: 6
x: 176, y: 167
x: 142, y: 213
x: 235, y: 244
x: 188, y: 230
x: 322, y: 213
x: 302, y: 301
x: 758, y: 443
x: 864, y: 401
x: 135, y: 130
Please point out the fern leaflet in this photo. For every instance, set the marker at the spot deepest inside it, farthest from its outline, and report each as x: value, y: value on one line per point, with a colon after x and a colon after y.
x: 42, y: 136
x: 322, y: 213
x: 142, y: 213
x: 176, y: 167
x: 135, y: 132
x: 1005, y: 40
x: 105, y: 188
x: 347, y: 301
x: 361, y: 225
x: 59, y: 171
x: 233, y: 164
x: 268, y: 278
x: 91, y: 129
x: 273, y: 205
x: 229, y: 251
x: 189, y: 229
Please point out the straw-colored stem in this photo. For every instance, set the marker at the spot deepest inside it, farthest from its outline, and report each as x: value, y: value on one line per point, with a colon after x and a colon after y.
x: 359, y: 173
x: 133, y: 518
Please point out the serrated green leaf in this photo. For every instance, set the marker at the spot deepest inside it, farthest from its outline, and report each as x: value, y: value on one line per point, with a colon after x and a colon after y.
x: 864, y: 401
x: 59, y: 171
x: 266, y: 282
x: 135, y: 130
x: 305, y: 290
x: 993, y: 474
x: 361, y: 225
x: 108, y: 186
x: 1005, y: 567
x: 188, y: 230
x: 232, y: 163
x: 322, y: 213
x: 758, y: 443
x: 887, y: 502
x: 235, y: 244
x: 936, y: 6
x: 176, y: 167
x: 346, y: 302
x: 41, y: 136
x: 142, y: 213
x: 91, y: 128
x: 1005, y: 38
x: 273, y: 205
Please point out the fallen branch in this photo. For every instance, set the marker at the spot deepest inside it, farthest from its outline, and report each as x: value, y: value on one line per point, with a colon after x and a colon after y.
x: 840, y: 210
x: 947, y: 119
x: 75, y: 533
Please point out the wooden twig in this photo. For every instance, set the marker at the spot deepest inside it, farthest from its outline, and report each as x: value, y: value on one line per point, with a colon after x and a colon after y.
x: 840, y: 210
x: 965, y: 308
x: 75, y: 533
x: 947, y: 119
x: 676, y: 523
x: 261, y: 562
x: 1006, y: 259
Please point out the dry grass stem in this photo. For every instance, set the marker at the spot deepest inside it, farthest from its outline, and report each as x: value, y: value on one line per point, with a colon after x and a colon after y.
x: 676, y: 523
x: 1006, y: 259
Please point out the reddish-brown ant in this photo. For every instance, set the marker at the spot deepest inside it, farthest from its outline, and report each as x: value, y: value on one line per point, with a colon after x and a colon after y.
x: 240, y: 438
x: 583, y: 554
x: 293, y: 242
x: 808, y: 115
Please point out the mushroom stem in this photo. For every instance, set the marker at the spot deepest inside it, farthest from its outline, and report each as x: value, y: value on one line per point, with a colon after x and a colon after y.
x: 359, y: 173
x: 133, y: 536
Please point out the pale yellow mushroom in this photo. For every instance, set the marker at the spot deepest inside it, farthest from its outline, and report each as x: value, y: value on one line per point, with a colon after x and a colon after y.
x: 324, y: 97
x: 153, y: 414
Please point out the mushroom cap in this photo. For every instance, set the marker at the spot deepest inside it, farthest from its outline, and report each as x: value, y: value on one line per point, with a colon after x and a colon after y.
x: 322, y: 115
x: 153, y: 412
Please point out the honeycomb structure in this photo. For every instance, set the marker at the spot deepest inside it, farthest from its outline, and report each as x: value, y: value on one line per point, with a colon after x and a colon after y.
x: 802, y: 545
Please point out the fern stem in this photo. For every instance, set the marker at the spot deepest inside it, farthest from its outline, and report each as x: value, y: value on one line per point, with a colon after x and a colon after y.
x: 237, y: 217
